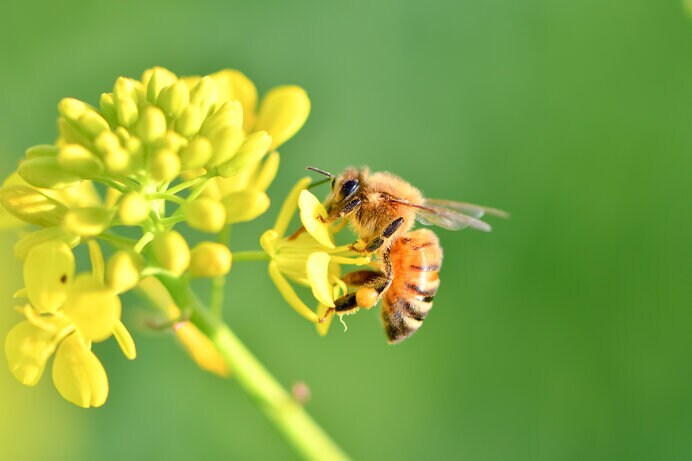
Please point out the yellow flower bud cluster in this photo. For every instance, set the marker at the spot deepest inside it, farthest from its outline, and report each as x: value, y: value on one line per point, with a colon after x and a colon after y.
x: 158, y: 151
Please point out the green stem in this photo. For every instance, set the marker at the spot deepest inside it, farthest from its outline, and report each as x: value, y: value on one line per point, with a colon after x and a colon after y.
x: 218, y: 284
x: 116, y: 240
x: 289, y: 417
x: 257, y: 255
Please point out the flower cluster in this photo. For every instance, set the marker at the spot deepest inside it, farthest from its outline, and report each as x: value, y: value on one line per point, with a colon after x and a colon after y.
x: 158, y: 151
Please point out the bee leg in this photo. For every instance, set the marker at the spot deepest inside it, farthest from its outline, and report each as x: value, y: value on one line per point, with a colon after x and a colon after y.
x: 341, y: 211
x: 377, y: 242
x: 361, y: 277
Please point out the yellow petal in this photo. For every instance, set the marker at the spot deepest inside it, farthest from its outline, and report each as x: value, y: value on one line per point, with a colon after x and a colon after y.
x: 92, y: 307
x: 267, y: 172
x: 282, y: 113
x: 125, y: 341
x: 289, y: 294
x: 289, y: 206
x: 27, y: 348
x: 310, y: 210
x: 48, y: 271
x: 201, y: 349
x: 317, y: 268
x: 134, y: 209
x: 233, y: 85
x: 78, y: 375
x: 98, y: 265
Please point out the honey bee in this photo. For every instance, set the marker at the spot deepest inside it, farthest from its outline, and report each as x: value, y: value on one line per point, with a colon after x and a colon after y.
x: 382, y: 209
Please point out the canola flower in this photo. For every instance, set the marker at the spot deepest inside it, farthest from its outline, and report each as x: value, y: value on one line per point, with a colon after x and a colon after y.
x: 121, y: 179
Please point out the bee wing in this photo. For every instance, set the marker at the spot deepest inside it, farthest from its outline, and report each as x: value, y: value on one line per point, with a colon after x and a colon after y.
x: 432, y: 214
x: 476, y: 211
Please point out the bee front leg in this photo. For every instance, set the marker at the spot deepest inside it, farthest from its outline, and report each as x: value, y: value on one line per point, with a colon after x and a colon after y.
x: 378, y: 241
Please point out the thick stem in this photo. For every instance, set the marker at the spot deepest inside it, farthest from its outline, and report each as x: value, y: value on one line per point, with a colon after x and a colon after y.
x: 288, y: 416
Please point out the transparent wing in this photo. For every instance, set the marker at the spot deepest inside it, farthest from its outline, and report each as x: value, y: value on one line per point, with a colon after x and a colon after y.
x: 447, y: 218
x: 476, y: 211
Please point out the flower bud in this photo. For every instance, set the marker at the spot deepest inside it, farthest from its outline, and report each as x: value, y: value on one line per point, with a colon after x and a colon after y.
x: 77, y: 160
x: 229, y: 114
x: 225, y: 144
x: 252, y: 151
x: 31, y: 206
x: 165, y: 165
x: 204, y: 96
x: 107, y: 141
x: 171, y: 251
x: 125, y: 100
x: 87, y: 222
x: 206, y: 215
x: 92, y: 123
x: 189, y: 121
x: 155, y: 80
x: 123, y: 271
x: 174, y: 99
x: 42, y: 150
x: 196, y: 154
x: 151, y: 125
x: 210, y: 259
x: 173, y: 141
x: 117, y: 160
x: 46, y: 172
x: 107, y: 106
x: 245, y: 205
x: 70, y: 134
x: 134, y: 209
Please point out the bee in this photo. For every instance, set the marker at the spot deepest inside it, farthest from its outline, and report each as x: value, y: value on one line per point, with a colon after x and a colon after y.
x: 382, y: 209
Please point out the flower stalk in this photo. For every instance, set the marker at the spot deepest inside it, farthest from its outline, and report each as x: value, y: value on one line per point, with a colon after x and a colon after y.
x: 289, y: 416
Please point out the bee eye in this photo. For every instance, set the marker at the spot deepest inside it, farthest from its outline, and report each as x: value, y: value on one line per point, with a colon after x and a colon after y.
x: 349, y: 187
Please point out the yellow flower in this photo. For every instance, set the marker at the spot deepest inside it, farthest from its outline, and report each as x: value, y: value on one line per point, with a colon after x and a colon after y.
x: 66, y: 313
x: 307, y: 258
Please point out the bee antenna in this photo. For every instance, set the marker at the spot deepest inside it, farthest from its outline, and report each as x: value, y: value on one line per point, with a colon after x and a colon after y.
x: 322, y: 172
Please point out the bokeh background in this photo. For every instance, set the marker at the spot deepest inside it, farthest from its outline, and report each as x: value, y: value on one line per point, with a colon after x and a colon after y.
x: 566, y: 334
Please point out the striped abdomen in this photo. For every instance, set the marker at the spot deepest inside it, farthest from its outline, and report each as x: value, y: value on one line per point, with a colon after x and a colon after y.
x: 416, y: 259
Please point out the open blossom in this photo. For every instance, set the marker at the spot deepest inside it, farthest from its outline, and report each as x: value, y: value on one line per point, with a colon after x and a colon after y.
x: 309, y: 258
x: 65, y: 315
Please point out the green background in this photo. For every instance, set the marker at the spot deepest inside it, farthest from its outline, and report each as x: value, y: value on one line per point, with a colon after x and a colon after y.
x: 563, y: 335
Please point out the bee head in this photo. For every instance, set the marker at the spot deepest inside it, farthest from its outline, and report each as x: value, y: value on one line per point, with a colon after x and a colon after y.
x: 344, y: 188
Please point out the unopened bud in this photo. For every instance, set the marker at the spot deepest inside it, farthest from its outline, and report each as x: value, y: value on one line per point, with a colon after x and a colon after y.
x: 229, y: 114
x: 189, y: 121
x: 134, y: 209
x: 42, y: 150
x: 123, y: 271
x: 196, y: 154
x: 172, y: 252
x: 155, y: 80
x: 174, y: 99
x: 204, y: 95
x: 151, y: 125
x: 210, y: 259
x: 253, y: 149
x: 87, y: 222
x: 245, y: 205
x: 225, y: 144
x: 107, y: 106
x: 125, y: 100
x: 206, y: 215
x: 80, y: 161
x: 46, y: 172
x: 165, y: 165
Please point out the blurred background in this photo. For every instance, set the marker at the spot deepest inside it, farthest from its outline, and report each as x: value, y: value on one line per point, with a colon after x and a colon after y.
x: 563, y: 335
